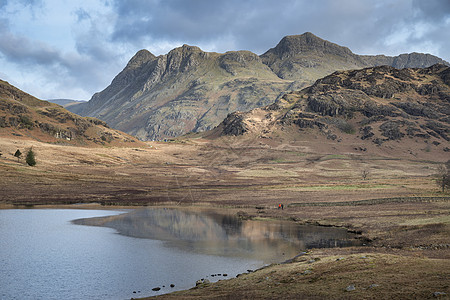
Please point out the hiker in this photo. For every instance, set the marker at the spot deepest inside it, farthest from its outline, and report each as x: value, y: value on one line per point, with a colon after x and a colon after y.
x: 282, y: 206
x: 279, y: 206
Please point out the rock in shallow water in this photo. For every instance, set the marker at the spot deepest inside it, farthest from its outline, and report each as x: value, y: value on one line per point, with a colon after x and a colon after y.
x: 350, y: 288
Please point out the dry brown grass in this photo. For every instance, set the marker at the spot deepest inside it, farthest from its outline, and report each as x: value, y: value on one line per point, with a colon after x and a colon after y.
x: 408, y: 231
x: 374, y: 276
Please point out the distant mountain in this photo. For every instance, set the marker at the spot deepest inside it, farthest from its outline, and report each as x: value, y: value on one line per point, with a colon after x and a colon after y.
x: 307, y: 58
x: 192, y: 90
x: 374, y: 107
x: 24, y: 116
x: 186, y: 90
x: 65, y: 102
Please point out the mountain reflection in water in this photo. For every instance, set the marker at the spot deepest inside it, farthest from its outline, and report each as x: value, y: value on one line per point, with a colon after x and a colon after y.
x: 226, y: 235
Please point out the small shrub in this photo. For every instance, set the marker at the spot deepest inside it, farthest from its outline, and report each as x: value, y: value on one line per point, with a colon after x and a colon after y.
x: 30, y: 159
x: 347, y: 128
x: 341, y: 124
x: 26, y: 121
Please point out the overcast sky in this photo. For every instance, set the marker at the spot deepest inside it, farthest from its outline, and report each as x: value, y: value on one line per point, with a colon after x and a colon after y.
x: 74, y: 48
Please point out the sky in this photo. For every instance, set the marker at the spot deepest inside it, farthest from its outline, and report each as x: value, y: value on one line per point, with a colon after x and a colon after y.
x: 74, y: 48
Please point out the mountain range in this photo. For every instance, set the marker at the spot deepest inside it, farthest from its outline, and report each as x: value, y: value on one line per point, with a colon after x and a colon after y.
x: 189, y: 90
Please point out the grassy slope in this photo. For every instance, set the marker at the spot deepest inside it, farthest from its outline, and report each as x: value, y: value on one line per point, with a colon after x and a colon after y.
x: 373, y: 276
x: 48, y: 122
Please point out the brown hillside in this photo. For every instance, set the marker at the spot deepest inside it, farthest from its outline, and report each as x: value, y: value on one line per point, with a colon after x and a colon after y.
x: 369, y: 110
x: 26, y: 117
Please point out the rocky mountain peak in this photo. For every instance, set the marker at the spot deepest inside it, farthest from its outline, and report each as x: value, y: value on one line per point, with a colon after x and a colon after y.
x: 185, y: 50
x: 417, y: 60
x: 233, y: 61
x: 307, y: 42
x: 181, y: 60
x: 140, y: 58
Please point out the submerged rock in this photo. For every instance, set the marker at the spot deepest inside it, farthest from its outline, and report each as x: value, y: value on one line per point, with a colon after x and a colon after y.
x: 350, y: 288
x: 439, y: 294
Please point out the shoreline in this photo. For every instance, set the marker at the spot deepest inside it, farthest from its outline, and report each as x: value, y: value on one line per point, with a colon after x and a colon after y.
x: 98, y: 206
x: 410, y: 255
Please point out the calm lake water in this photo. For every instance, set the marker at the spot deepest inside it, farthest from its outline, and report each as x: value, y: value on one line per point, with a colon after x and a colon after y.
x: 44, y: 254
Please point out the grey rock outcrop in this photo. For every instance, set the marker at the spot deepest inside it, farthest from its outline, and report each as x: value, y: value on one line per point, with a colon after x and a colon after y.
x: 377, y: 105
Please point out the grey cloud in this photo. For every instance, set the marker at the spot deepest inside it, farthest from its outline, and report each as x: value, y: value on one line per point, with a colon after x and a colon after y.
x: 85, y: 70
x: 92, y: 44
x: 197, y: 21
x: 21, y: 50
x: 82, y: 15
x: 434, y: 11
x: 32, y: 5
x: 22, y: 2
x: 259, y: 25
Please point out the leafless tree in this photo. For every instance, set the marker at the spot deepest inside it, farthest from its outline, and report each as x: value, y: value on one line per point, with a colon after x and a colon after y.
x: 365, y: 173
x: 443, y: 176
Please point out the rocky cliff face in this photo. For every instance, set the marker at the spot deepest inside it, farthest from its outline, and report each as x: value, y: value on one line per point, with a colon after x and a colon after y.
x: 22, y: 115
x: 186, y: 90
x: 192, y: 90
x: 379, y: 105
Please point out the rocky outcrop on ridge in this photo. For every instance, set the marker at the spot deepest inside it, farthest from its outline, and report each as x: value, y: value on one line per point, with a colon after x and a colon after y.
x: 375, y: 105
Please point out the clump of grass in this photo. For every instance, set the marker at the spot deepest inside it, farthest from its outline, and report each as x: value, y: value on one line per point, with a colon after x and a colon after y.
x: 342, y: 125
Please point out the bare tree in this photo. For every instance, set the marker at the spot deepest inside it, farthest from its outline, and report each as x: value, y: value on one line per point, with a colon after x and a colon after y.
x: 443, y: 176
x: 365, y: 173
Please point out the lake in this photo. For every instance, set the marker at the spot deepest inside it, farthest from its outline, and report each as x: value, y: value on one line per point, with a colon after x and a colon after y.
x: 47, y: 254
